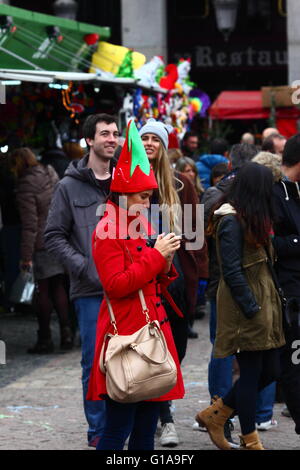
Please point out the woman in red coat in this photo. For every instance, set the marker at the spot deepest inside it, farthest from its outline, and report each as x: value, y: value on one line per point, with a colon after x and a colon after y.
x: 175, y: 192
x: 127, y: 262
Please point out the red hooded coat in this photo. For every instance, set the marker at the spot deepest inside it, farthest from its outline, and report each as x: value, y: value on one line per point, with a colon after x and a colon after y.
x: 121, y: 275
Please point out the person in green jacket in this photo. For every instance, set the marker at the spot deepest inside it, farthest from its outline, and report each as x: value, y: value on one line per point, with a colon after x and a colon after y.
x: 249, y: 312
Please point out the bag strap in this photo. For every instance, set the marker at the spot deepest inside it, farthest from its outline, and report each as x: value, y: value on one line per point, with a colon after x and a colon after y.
x: 101, y: 359
x: 273, y: 272
x: 142, y: 300
x: 111, y: 314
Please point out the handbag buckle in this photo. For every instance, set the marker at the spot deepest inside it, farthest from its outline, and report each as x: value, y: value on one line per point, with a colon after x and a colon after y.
x: 146, y: 313
x: 115, y: 328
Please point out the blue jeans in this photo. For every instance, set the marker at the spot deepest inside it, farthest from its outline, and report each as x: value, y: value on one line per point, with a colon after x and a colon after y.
x: 220, y: 376
x: 265, y: 403
x: 139, y: 420
x: 87, y: 309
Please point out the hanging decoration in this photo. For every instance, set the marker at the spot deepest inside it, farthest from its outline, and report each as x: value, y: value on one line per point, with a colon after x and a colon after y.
x: 183, y: 83
x: 72, y: 101
x: 177, y: 107
x: 65, y: 94
x: 199, y: 102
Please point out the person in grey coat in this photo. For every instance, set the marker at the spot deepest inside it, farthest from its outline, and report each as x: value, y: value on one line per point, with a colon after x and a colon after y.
x: 35, y: 184
x: 72, y: 219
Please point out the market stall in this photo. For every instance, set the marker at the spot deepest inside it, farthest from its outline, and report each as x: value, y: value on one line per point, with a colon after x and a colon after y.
x: 57, y: 71
x: 249, y: 105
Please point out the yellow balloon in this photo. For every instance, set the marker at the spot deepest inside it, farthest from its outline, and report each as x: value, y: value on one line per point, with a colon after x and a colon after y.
x: 109, y: 57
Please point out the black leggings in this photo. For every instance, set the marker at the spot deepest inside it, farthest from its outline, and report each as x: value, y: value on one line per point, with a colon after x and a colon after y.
x: 257, y: 370
x: 52, y: 293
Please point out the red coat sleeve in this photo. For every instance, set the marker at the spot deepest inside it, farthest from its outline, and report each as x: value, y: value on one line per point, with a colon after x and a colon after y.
x: 168, y: 278
x: 117, y: 280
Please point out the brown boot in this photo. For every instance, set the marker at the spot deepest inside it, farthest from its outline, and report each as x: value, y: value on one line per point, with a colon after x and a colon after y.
x: 251, y: 441
x: 213, y: 419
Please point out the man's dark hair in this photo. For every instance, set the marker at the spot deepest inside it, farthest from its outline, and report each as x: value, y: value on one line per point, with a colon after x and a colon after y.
x: 241, y: 154
x: 268, y: 142
x: 219, y: 146
x: 291, y: 152
x: 89, y: 125
x: 221, y: 169
x: 189, y: 134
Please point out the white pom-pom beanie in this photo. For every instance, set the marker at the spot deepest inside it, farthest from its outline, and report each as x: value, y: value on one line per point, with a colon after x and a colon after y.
x: 157, y: 128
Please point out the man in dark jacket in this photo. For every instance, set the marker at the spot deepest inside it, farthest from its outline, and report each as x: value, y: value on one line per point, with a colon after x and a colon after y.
x: 287, y: 245
x: 71, y: 222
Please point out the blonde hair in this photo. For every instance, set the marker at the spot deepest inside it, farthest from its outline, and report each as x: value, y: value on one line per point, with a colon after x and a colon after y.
x: 181, y: 165
x: 270, y: 160
x: 168, y: 196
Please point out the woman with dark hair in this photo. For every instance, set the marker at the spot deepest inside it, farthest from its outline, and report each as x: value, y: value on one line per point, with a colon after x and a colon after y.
x: 35, y: 186
x: 249, y: 315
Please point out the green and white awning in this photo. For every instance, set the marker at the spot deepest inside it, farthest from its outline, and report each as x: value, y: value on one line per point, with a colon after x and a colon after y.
x: 42, y: 48
x: 34, y: 41
x: 44, y: 76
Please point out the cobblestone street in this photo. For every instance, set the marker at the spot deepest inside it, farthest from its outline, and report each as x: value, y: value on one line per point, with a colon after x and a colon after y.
x: 41, y: 398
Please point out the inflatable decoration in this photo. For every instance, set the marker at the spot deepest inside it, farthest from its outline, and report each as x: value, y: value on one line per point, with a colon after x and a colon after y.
x: 148, y: 72
x: 126, y: 68
x: 169, y: 80
x: 110, y: 57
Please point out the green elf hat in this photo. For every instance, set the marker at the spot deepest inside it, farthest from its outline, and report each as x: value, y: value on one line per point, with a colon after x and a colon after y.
x: 133, y: 172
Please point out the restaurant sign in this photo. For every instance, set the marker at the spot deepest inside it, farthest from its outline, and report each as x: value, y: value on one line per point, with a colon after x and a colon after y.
x: 207, y: 56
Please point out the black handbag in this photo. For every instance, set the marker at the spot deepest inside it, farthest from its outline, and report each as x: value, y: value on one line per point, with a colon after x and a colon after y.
x: 290, y: 307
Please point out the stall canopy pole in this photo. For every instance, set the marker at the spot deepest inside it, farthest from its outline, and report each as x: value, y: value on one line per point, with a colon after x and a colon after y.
x: 16, y: 56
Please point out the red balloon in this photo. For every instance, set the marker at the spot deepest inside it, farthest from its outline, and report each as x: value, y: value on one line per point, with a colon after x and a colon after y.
x: 91, y: 39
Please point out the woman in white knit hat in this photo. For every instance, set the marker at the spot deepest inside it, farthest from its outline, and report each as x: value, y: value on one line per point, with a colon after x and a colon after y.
x: 174, y: 191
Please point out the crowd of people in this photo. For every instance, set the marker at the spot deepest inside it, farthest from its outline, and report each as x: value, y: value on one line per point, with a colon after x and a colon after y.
x: 246, y: 272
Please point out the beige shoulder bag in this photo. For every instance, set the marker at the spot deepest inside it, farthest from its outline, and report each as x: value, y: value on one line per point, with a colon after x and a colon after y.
x: 138, y: 366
